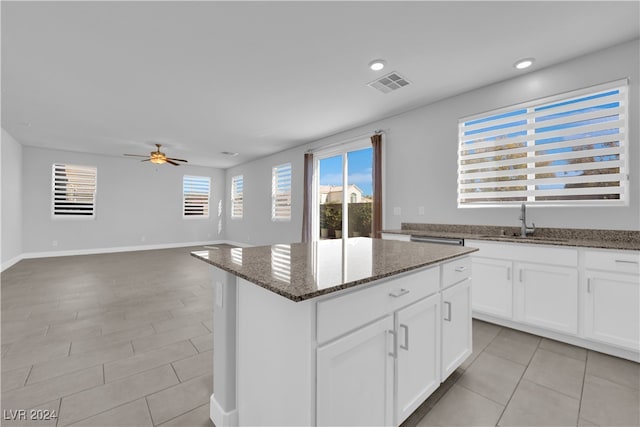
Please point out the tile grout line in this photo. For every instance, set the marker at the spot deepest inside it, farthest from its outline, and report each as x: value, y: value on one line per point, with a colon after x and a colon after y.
x: 519, y: 381
x: 26, y: 380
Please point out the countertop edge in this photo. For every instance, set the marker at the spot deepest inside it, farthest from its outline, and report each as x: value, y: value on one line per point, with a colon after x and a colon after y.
x: 327, y: 291
x: 599, y: 244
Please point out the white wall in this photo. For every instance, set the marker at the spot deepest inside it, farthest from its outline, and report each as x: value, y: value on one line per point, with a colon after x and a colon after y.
x: 256, y: 227
x: 421, y: 157
x: 137, y: 204
x: 11, y: 154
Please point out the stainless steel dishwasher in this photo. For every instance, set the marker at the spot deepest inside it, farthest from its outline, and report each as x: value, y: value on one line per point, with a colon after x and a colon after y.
x: 440, y: 240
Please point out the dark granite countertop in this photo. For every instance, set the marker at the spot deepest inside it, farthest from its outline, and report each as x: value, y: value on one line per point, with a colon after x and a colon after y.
x: 300, y: 271
x: 604, y: 239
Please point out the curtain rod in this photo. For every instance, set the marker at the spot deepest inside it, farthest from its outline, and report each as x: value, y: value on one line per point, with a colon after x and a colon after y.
x: 347, y: 141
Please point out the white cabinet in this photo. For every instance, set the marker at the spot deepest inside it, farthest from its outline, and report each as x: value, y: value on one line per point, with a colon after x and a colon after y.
x: 456, y: 326
x: 355, y: 377
x: 583, y: 296
x: 418, y: 362
x: 393, y: 236
x: 547, y: 296
x: 492, y: 287
x: 612, y: 298
x: 382, y: 350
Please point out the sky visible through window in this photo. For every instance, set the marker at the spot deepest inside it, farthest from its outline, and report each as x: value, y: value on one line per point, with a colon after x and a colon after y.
x: 540, y: 131
x: 360, y: 166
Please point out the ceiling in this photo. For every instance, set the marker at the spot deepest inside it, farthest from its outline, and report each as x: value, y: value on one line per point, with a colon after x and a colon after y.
x: 260, y: 77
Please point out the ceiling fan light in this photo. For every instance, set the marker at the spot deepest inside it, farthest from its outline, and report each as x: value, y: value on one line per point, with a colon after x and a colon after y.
x: 158, y: 160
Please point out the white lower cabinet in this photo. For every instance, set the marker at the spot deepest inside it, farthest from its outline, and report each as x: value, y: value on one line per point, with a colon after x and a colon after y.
x: 613, y: 308
x: 355, y: 377
x: 456, y: 326
x: 382, y: 351
x: 584, y: 296
x: 492, y: 287
x: 418, y: 361
x: 547, y: 296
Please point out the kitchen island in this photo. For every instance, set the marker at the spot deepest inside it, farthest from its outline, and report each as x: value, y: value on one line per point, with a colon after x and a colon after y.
x: 337, y: 332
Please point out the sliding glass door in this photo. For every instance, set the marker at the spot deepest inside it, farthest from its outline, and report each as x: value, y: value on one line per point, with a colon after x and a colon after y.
x: 343, y: 191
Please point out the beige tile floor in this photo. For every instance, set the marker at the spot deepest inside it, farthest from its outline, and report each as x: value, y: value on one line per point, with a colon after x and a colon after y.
x: 125, y: 340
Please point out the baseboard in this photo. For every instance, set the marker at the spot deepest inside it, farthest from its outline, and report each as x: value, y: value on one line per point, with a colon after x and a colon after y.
x: 12, y: 262
x: 558, y: 336
x: 220, y: 417
x: 94, y: 251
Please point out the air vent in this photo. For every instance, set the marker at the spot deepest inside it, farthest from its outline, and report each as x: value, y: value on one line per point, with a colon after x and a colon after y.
x: 389, y: 83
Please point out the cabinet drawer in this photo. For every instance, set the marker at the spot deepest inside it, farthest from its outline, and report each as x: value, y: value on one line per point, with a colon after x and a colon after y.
x: 618, y: 261
x: 346, y: 312
x: 456, y: 271
x: 542, y: 254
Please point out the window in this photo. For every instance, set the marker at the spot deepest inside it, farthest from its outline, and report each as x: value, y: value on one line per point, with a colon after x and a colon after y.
x: 237, y: 188
x: 73, y: 191
x: 569, y: 149
x: 195, y: 196
x: 281, y: 192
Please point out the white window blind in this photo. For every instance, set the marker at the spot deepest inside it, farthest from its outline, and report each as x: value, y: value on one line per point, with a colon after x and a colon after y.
x: 237, y: 189
x: 281, y: 192
x: 73, y: 191
x: 563, y: 150
x: 195, y: 196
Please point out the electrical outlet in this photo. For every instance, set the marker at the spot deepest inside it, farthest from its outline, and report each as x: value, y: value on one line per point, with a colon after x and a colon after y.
x: 421, y: 210
x: 143, y: 239
x: 397, y: 211
x: 54, y: 243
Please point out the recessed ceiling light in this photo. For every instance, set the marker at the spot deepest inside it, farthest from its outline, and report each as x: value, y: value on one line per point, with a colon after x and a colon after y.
x: 377, y: 64
x: 524, y: 63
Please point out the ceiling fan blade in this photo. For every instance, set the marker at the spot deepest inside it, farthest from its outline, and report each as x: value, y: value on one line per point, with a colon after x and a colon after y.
x: 177, y: 160
x: 173, y: 163
x: 146, y: 160
x: 135, y: 155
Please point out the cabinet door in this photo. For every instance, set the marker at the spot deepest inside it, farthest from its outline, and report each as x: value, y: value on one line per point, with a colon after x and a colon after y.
x: 418, y: 328
x: 612, y: 312
x: 492, y: 287
x: 456, y: 326
x: 547, y: 296
x: 355, y: 377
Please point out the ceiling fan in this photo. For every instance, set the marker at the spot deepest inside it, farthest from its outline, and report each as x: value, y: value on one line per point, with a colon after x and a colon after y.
x: 158, y: 157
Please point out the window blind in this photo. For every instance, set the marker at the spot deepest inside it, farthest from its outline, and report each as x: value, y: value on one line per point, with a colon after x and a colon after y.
x: 237, y: 188
x: 195, y: 196
x: 281, y: 192
x: 567, y: 149
x: 73, y: 191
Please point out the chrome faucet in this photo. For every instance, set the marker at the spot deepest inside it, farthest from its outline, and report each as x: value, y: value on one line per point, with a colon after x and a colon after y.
x: 524, y: 228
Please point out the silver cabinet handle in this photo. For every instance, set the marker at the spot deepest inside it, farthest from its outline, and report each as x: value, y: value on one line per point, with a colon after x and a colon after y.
x: 448, y: 318
x: 508, y: 273
x: 520, y: 273
x: 460, y: 269
x: 394, y: 353
x: 624, y: 261
x: 399, y: 293
x: 406, y: 337
x: 589, y: 285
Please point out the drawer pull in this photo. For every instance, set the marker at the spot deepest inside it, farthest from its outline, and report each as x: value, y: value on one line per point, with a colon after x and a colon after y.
x: 589, y: 285
x: 508, y: 273
x: 624, y: 261
x: 399, y: 293
x: 448, y: 318
x: 406, y: 337
x: 394, y: 353
x: 460, y: 269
